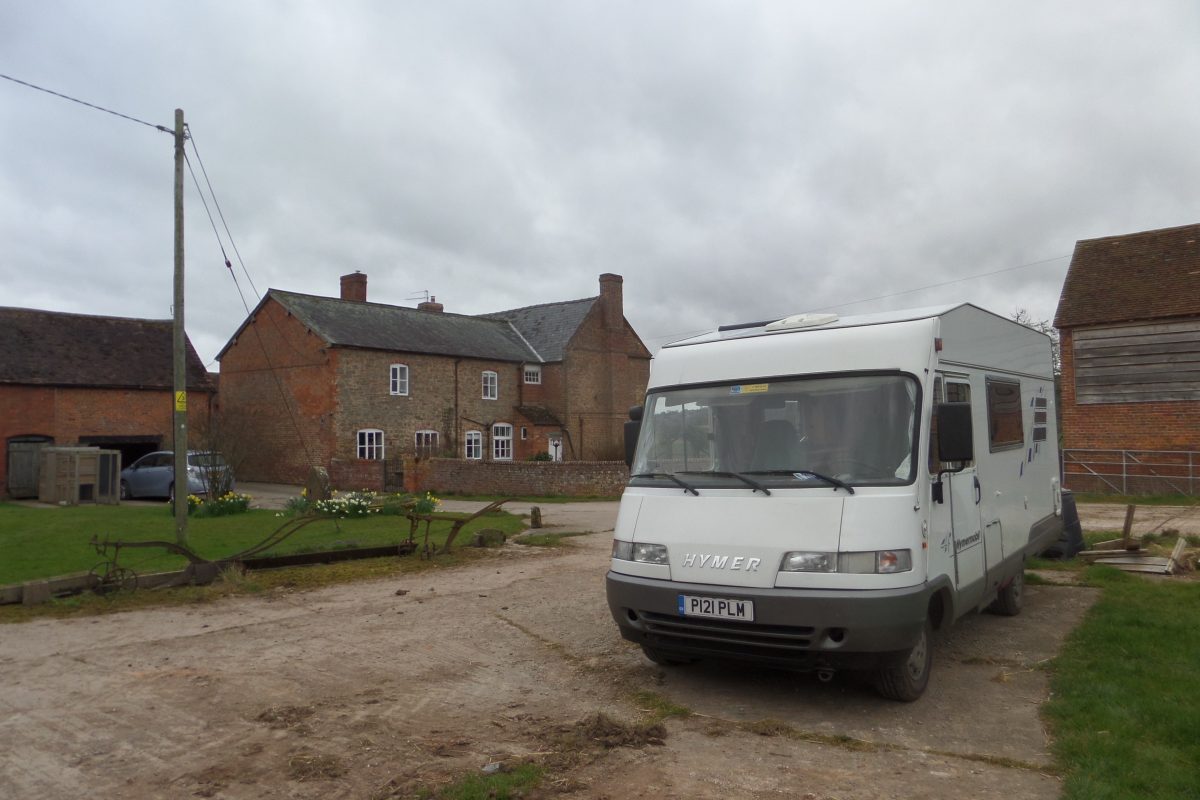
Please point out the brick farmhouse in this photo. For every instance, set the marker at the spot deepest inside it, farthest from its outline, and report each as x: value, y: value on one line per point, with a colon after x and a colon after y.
x: 1129, y: 319
x: 74, y: 379
x: 362, y: 388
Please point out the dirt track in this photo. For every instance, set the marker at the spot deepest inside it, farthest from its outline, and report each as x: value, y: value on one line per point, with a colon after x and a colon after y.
x: 376, y: 689
x: 1146, y: 519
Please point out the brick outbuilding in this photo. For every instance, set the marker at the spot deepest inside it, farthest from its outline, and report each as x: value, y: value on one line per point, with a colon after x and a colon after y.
x: 1129, y: 319
x: 359, y: 387
x: 75, y: 379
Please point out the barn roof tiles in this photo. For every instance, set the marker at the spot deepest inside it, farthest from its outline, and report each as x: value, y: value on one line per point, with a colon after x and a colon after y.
x: 52, y: 348
x: 1138, y: 276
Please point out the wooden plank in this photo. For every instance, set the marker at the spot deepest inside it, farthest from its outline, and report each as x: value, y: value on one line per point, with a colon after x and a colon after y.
x: 1103, y: 396
x: 1095, y: 555
x: 1126, y: 542
x: 1189, y: 371
x: 1137, y: 350
x: 1181, y: 341
x: 1176, y: 554
x: 1133, y: 567
x: 1136, y: 329
x: 1167, y: 380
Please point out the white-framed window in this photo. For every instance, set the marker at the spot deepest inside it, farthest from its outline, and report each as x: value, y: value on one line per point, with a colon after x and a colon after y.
x: 398, y: 384
x: 533, y: 373
x: 502, y: 441
x: 370, y: 444
x: 474, y: 445
x: 427, y: 443
x: 491, y: 385
x: 524, y: 433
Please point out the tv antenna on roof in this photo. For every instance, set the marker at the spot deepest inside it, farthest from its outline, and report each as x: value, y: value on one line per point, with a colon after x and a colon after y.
x: 422, y: 294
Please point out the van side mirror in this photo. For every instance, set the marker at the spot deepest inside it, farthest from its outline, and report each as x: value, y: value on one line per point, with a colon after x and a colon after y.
x: 955, y: 435
x: 632, y: 428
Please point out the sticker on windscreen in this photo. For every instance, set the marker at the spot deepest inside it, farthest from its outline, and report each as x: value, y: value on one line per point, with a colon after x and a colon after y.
x: 750, y: 388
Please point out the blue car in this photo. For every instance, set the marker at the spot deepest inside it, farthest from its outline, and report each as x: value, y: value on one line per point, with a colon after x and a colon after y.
x: 153, y: 475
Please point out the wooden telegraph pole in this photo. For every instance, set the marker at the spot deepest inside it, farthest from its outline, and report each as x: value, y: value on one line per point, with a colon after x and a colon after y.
x: 179, y: 348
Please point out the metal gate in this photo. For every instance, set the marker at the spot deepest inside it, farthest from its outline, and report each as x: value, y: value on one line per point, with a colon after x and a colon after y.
x: 24, y: 454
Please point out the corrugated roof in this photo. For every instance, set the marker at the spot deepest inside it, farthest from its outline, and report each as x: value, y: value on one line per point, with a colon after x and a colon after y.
x: 376, y: 326
x: 548, y: 327
x: 1137, y: 276
x: 52, y: 348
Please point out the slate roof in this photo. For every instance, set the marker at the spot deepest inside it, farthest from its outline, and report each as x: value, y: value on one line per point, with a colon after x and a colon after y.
x: 51, y: 348
x: 548, y: 327
x: 376, y: 326
x: 1137, y: 276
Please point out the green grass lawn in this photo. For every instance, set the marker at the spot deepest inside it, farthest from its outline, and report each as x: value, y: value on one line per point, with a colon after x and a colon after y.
x: 1125, y: 709
x: 1137, y: 499
x: 45, y: 542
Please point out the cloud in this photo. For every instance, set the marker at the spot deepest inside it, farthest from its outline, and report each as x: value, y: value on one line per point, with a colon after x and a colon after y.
x: 732, y: 161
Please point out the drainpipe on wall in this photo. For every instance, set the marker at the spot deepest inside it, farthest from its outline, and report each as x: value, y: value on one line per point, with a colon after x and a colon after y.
x: 457, y: 419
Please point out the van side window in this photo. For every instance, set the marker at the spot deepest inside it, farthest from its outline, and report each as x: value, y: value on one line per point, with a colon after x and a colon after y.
x: 1005, y: 428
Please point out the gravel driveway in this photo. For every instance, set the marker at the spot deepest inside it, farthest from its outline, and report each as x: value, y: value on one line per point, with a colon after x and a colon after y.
x: 377, y: 689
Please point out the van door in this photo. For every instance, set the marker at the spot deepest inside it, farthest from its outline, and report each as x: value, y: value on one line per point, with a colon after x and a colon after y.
x: 955, y: 522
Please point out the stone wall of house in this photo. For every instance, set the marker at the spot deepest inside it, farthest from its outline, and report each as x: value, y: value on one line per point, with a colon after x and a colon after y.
x: 570, y: 479
x: 445, y: 395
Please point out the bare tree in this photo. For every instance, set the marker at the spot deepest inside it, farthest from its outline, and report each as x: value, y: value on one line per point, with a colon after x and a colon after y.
x: 219, y: 436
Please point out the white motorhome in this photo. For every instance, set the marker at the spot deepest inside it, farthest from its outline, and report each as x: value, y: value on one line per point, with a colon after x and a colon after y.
x: 821, y: 493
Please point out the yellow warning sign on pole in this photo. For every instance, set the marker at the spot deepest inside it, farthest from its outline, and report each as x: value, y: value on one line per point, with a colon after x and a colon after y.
x: 181, y: 401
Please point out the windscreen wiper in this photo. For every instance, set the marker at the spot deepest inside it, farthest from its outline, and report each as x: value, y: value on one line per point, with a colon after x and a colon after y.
x: 801, y: 474
x: 687, y: 487
x: 755, y: 485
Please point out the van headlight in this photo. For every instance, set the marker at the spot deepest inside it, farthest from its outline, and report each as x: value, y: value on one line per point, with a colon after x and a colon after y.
x: 881, y: 562
x: 803, y: 561
x: 640, y: 551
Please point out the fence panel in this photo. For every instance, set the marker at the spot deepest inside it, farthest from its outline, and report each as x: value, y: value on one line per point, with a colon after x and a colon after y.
x: 1130, y: 471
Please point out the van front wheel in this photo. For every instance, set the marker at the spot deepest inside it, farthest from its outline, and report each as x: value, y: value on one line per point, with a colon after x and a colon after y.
x: 905, y: 680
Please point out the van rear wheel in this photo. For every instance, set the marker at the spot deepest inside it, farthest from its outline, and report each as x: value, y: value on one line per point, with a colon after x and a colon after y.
x: 905, y: 680
x: 1008, y: 601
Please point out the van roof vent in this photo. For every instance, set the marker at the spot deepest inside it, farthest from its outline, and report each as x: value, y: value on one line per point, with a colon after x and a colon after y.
x: 801, y: 321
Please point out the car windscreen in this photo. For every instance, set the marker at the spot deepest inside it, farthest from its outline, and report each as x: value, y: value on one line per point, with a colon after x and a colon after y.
x: 859, y: 428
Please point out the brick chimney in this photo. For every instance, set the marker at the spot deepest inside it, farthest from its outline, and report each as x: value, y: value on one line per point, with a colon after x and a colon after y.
x: 610, y: 298
x: 431, y: 305
x: 354, y: 287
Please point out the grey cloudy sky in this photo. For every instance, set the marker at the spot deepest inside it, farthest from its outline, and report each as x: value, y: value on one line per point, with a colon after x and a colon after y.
x: 732, y: 160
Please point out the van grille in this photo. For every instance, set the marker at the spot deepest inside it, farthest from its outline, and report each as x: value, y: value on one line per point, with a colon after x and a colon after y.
x: 735, y: 638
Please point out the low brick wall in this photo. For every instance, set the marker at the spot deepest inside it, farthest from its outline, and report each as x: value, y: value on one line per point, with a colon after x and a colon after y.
x: 352, y: 476
x: 570, y: 479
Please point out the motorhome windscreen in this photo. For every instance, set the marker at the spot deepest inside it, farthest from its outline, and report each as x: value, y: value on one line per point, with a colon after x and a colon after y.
x: 860, y: 429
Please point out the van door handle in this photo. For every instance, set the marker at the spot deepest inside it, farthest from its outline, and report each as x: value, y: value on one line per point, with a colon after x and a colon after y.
x: 978, y: 491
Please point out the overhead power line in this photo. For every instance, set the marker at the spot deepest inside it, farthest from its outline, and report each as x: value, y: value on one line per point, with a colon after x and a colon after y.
x: 681, y: 334
x: 943, y: 283
x: 162, y: 128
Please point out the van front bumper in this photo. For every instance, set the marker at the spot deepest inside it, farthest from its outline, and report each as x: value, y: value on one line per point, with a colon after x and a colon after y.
x: 793, y: 628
